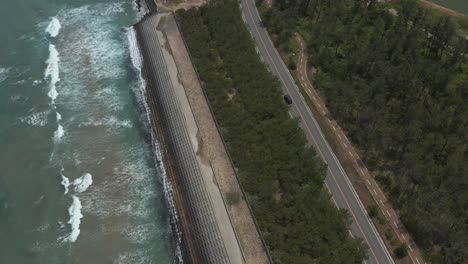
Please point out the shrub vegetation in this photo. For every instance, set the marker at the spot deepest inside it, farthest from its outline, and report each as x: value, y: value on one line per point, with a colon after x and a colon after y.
x: 398, y: 84
x: 281, y: 175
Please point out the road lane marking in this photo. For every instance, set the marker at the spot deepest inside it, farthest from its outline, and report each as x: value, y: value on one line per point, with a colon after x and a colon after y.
x: 368, y: 182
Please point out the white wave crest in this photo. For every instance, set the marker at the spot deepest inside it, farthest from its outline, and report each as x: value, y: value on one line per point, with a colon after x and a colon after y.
x: 75, y: 219
x: 54, y: 27
x: 83, y: 182
x: 58, y: 116
x: 52, y: 71
x: 65, y: 182
x: 58, y: 134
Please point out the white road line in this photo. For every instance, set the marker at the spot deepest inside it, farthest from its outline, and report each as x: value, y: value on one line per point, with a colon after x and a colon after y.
x: 368, y: 182
x: 381, y: 202
x: 339, y: 137
x: 334, y: 128
x: 388, y: 213
x: 374, y: 191
x: 351, y: 154
x: 417, y: 260
x: 395, y: 223
x: 362, y: 172
x: 333, y: 200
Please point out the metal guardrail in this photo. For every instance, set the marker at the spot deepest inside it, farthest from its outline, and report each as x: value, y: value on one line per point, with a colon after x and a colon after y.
x: 225, y: 146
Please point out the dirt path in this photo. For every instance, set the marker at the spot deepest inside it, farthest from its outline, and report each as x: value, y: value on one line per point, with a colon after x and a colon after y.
x: 442, y: 9
x: 211, y: 148
x: 352, y: 157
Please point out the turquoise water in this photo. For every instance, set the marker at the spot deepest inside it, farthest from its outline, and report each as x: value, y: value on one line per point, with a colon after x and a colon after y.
x: 456, y: 5
x: 77, y: 179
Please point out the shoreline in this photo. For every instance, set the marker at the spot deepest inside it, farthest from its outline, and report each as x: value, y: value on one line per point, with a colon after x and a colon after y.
x: 202, y: 238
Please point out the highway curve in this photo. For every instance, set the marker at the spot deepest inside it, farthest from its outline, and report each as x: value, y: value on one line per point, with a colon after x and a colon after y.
x: 336, y: 181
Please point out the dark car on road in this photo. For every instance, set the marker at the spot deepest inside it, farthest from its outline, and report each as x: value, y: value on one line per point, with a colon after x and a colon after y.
x: 287, y: 99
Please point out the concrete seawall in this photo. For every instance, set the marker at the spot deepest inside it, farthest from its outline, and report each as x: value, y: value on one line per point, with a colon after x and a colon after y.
x: 201, y: 236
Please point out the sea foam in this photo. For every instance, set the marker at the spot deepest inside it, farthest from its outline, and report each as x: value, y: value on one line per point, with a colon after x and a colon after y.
x: 36, y: 119
x: 54, y: 27
x: 4, y: 73
x: 83, y: 182
x: 75, y: 219
x: 65, y: 182
x: 52, y: 71
x: 58, y: 134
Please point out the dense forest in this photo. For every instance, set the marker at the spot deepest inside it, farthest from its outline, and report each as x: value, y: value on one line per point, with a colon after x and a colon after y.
x: 283, y: 178
x: 398, y: 84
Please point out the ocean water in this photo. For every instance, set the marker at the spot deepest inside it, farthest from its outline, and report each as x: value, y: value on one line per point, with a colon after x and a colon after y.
x: 78, y: 177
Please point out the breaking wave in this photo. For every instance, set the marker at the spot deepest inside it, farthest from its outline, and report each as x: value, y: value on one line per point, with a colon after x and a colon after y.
x: 58, y: 134
x: 54, y: 27
x: 66, y: 183
x: 83, y: 182
x: 75, y: 219
x: 52, y: 71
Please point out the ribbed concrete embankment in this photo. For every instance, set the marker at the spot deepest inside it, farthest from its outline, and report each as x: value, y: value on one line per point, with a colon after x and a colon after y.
x: 201, y: 234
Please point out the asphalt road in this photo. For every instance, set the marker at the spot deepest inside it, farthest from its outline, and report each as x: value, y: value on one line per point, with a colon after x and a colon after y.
x: 336, y: 181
